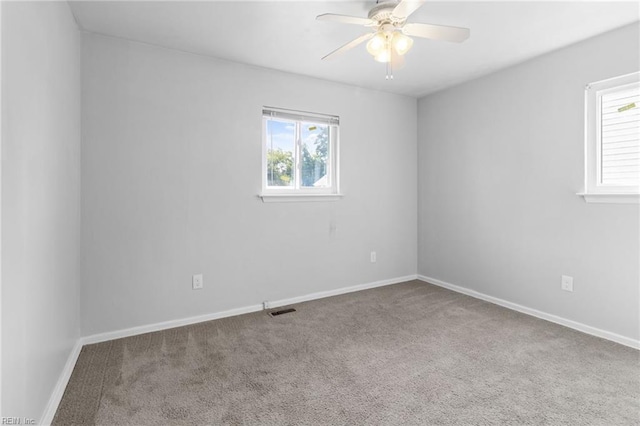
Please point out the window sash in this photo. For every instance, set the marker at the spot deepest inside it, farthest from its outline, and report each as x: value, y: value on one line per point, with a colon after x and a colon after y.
x: 265, y: 159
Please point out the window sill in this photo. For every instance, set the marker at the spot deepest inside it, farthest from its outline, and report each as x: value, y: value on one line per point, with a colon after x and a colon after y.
x: 611, y: 198
x: 298, y: 198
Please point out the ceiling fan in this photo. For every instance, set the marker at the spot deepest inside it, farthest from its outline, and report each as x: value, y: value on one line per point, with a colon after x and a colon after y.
x: 390, y: 39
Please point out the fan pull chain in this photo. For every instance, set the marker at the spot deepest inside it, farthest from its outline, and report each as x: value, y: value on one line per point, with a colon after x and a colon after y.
x: 389, y: 67
x: 389, y: 71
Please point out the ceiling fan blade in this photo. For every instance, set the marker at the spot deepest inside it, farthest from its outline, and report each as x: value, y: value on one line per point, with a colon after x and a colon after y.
x: 406, y: 8
x: 436, y: 32
x: 350, y: 45
x: 346, y: 19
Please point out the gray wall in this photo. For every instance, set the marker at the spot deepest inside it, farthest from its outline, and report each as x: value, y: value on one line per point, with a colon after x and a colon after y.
x: 500, y: 161
x: 172, y: 168
x: 40, y: 200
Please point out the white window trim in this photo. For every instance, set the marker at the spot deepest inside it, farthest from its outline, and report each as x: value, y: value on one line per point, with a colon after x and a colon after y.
x: 595, y: 192
x: 284, y: 194
x: 294, y: 198
x: 613, y: 198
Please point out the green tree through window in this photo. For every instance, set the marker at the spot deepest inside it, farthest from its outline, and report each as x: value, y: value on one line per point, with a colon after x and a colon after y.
x: 279, y: 167
x: 314, y: 165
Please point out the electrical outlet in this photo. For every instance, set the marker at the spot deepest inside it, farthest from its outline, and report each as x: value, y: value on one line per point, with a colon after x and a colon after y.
x: 567, y: 283
x: 373, y: 257
x: 197, y: 281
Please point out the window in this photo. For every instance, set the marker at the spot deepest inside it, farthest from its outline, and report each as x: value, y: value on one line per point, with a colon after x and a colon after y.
x: 612, y: 169
x: 300, y: 156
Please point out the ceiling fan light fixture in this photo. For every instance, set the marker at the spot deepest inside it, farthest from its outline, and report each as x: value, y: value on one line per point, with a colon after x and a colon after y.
x: 401, y: 43
x: 377, y: 44
x: 384, y: 56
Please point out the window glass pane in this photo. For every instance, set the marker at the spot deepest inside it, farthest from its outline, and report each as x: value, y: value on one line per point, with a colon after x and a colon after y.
x: 281, y: 142
x: 315, y: 155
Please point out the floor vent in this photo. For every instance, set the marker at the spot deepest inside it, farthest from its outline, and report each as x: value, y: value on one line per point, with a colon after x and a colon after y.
x: 284, y: 311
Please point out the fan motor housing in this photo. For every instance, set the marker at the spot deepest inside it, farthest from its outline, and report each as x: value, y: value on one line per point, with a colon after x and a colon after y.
x: 381, y: 12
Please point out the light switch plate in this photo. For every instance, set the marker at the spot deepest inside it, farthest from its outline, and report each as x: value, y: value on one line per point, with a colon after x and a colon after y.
x: 197, y: 281
x: 567, y: 283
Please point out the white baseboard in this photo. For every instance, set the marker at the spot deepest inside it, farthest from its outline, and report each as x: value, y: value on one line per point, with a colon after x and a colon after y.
x: 626, y: 341
x: 134, y: 331
x: 61, y: 385
x: 336, y: 292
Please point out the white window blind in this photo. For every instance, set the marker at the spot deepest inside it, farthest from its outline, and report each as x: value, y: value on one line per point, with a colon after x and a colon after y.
x: 312, y: 117
x: 620, y: 136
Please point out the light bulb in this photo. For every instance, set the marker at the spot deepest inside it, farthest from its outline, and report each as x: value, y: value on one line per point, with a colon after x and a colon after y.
x: 401, y: 43
x: 383, y: 56
x: 377, y: 44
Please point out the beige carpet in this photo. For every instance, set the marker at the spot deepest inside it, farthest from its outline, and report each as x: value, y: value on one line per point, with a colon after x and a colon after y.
x: 409, y: 353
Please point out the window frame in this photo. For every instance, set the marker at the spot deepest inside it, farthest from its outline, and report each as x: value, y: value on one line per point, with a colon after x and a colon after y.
x: 595, y: 190
x: 297, y: 192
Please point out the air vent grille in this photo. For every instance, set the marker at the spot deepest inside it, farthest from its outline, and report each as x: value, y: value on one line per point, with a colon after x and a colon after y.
x: 284, y: 311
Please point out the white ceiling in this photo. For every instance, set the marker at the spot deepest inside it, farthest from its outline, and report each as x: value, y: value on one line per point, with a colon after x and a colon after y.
x: 284, y: 35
